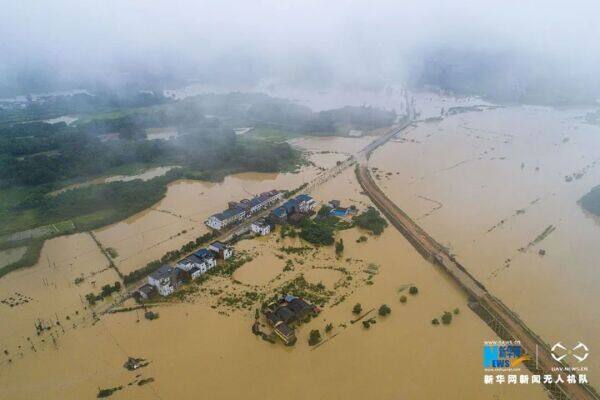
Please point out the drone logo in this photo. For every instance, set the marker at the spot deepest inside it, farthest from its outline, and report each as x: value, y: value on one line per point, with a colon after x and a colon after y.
x: 580, y: 352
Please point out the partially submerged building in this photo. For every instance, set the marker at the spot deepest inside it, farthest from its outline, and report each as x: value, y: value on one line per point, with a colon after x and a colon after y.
x: 221, y: 220
x: 222, y: 250
x: 301, y: 204
x: 238, y: 211
x: 164, y: 280
x: 144, y: 292
x: 261, y: 227
x: 197, y: 264
x: 282, y: 314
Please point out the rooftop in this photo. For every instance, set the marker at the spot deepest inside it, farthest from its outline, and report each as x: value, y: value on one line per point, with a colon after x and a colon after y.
x: 218, y: 245
x: 146, y: 288
x: 303, y: 197
x: 228, y: 213
x: 204, y: 254
x: 163, y: 272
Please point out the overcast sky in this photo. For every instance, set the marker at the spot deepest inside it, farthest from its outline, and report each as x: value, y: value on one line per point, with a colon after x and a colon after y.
x: 309, y: 41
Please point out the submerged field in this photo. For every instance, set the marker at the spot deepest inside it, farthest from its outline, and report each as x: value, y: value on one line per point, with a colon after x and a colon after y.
x: 500, y: 188
x: 204, y: 345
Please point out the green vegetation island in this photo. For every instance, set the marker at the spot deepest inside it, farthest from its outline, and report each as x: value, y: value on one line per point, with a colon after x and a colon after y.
x: 591, y: 201
x: 41, y: 163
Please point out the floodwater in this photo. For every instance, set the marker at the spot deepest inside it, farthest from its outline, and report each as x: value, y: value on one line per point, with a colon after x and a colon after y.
x: 491, y: 187
x: 195, y: 348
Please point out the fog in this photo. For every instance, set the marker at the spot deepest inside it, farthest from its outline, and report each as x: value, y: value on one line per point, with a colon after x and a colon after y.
x: 479, y: 45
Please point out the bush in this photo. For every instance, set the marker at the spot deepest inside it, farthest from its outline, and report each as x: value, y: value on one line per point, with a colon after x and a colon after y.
x: 367, y: 323
x: 339, y: 247
x: 446, y: 318
x: 314, y: 337
x: 384, y: 310
x: 324, y: 211
x: 413, y: 290
x: 357, y: 309
x: 317, y: 232
x: 456, y: 311
x: 403, y: 299
x: 328, y: 328
x: 435, y: 321
x: 361, y: 239
x: 371, y: 220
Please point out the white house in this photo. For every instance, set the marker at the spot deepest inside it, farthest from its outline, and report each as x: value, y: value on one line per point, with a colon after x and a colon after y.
x: 305, y: 203
x: 195, y: 272
x: 221, y: 249
x: 260, y: 227
x: 164, y: 280
x: 208, y: 257
x: 264, y: 200
x: 227, y: 217
x: 192, y: 261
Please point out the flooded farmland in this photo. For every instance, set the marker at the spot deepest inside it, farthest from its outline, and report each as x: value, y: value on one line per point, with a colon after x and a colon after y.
x: 493, y: 187
x: 396, y: 357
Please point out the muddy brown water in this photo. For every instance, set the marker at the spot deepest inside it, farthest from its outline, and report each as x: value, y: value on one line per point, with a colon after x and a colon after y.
x: 196, y: 349
x: 487, y: 184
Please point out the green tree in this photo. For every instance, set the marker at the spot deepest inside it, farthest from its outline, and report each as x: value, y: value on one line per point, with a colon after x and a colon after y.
x: 384, y: 310
x: 446, y: 318
x: 314, y: 337
x: 339, y: 247
x: 357, y: 309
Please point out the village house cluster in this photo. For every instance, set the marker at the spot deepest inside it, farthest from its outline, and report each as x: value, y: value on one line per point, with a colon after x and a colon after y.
x: 238, y: 211
x: 167, y: 279
x: 293, y: 209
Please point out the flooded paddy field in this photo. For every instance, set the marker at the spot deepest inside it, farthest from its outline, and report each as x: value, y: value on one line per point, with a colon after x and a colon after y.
x: 179, y: 217
x: 198, y: 345
x: 500, y: 188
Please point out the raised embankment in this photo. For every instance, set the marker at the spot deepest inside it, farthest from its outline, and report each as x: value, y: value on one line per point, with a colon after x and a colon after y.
x: 500, y: 318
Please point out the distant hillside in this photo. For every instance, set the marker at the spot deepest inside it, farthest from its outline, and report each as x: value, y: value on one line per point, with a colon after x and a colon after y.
x: 591, y: 201
x: 504, y: 76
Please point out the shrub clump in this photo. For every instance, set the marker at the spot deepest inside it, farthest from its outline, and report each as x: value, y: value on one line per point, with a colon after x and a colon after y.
x: 413, y: 290
x: 314, y: 337
x: 446, y: 318
x: 371, y: 220
x: 357, y: 309
x: 317, y: 232
x: 403, y: 299
x: 384, y: 310
x: 435, y: 321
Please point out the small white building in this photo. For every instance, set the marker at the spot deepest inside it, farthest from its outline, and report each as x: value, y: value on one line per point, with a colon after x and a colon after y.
x: 260, y: 227
x: 164, y: 280
x: 305, y: 203
x: 192, y: 261
x: 208, y: 257
x: 195, y: 272
x: 227, y: 217
x: 221, y: 249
